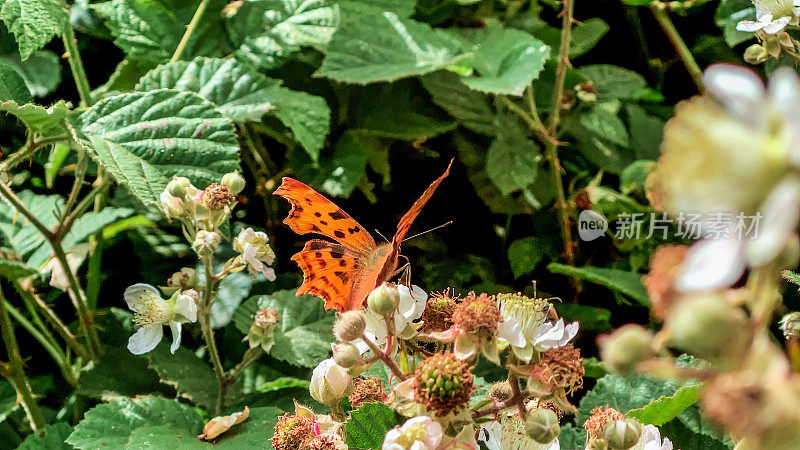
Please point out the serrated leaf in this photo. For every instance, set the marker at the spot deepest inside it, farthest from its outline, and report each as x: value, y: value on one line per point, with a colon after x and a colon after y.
x: 51, y: 437
x: 367, y: 426
x: 586, y: 35
x: 384, y: 47
x: 143, y: 180
x: 628, y: 283
x: 240, y: 93
x: 180, y: 133
x: 41, y: 71
x: 13, y: 270
x: 307, y: 116
x: 188, y: 374
x: 506, y: 60
x: 45, y: 122
x: 338, y: 174
x: 17, y: 234
x: 110, y: 425
x: 151, y: 29
x: 524, y: 254
x: 470, y: 108
x: 605, y: 124
x: 105, y: 379
x: 512, y: 161
x: 613, y: 82
x: 303, y: 334
x: 12, y: 86
x: 665, y: 408
x: 34, y: 22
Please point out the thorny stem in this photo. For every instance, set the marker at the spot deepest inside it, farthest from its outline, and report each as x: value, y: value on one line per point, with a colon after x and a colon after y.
x: 385, y: 358
x: 80, y: 176
x: 250, y: 356
x: 76, y: 66
x: 551, y: 151
x: 198, y: 15
x: 27, y: 150
x: 510, y: 403
x: 208, y: 333
x: 662, y: 16
x: 14, y: 372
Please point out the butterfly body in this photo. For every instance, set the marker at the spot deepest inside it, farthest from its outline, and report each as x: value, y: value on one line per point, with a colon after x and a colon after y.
x: 344, y: 272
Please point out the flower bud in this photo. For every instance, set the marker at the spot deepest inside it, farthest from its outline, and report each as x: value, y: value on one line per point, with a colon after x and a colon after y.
x: 349, y: 326
x: 176, y: 188
x: 383, y: 300
x: 184, y: 279
x: 346, y: 355
x: 262, y: 331
x: 501, y: 391
x: 542, y: 425
x: 755, y: 54
x: 234, y: 181
x: 206, y: 243
x: 330, y: 382
x: 597, y: 444
x: 622, y: 434
x: 790, y: 325
x: 626, y: 347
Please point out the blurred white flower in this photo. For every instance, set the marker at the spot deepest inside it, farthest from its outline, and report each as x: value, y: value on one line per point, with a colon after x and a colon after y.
x: 151, y: 313
x: 772, y: 16
x: 329, y: 382
x: 410, y: 309
x: 651, y: 440
x: 256, y: 252
x: 508, y: 433
x: 418, y: 433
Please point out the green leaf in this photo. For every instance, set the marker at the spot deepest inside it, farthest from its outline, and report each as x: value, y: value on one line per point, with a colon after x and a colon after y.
x: 791, y: 277
x: 470, y: 108
x: 605, y: 124
x: 8, y: 399
x: 339, y: 174
x: 303, y: 334
x: 12, y: 86
x: 41, y: 71
x: 614, y: 82
x: 150, y: 30
x: 231, y: 291
x: 646, y: 132
x: 13, y: 270
x: 594, y: 368
x: 45, y: 122
x: 307, y: 116
x: 179, y: 133
x: 143, y: 180
x: 591, y: 318
x: 188, y: 374
x: 572, y: 437
x: 634, y: 177
x: 384, y: 47
x: 665, y: 408
x: 18, y: 235
x: 586, y: 35
x: 507, y: 60
x: 105, y: 379
x: 51, y: 437
x: 628, y: 283
x: 731, y: 12
x: 240, y: 93
x: 33, y: 22
x: 110, y: 425
x: 525, y: 254
x: 512, y: 161
x: 367, y: 426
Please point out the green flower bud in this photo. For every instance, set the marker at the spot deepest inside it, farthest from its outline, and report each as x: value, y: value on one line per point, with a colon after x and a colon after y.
x: 383, y: 300
x: 542, y: 425
x: 206, y: 243
x: 262, y: 331
x: 349, y: 326
x: 790, y: 325
x: 626, y: 347
x: 176, y: 188
x: 622, y: 434
x: 234, y: 181
x: 346, y: 355
x: 755, y: 54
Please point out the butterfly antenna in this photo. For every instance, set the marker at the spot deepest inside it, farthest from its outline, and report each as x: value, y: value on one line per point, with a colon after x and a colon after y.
x: 428, y: 231
x: 378, y: 232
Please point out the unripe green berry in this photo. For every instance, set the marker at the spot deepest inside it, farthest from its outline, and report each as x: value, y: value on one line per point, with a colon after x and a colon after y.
x: 349, y: 326
x: 176, y: 188
x: 206, y: 243
x: 234, y: 181
x: 542, y: 425
x: 622, y: 434
x: 624, y: 349
x: 383, y: 300
x: 346, y: 355
x: 755, y: 54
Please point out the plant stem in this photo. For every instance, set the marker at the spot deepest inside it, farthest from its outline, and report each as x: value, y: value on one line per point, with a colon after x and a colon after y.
x: 250, y: 356
x: 517, y: 395
x: 198, y: 15
x: 15, y: 374
x: 385, y: 358
x: 16, y: 202
x: 27, y: 150
x: 510, y: 403
x: 208, y: 334
x: 662, y: 16
x: 76, y: 66
x: 551, y: 150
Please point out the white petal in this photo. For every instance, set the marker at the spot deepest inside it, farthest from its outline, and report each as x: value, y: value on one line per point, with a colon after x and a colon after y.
x: 555, y: 445
x: 570, y: 331
x: 739, y: 89
x: 187, y: 307
x: 784, y: 91
x: 139, y: 292
x: 781, y: 212
x: 749, y: 26
x: 464, y: 347
x: 145, y: 339
x: 412, y: 303
x: 777, y: 25
x: 711, y: 264
x: 175, y: 327
x: 510, y: 330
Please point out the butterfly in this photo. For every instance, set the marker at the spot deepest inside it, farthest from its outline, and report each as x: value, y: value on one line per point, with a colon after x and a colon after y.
x: 344, y: 272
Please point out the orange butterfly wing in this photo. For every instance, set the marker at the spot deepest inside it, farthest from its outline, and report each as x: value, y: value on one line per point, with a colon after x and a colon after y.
x: 329, y: 272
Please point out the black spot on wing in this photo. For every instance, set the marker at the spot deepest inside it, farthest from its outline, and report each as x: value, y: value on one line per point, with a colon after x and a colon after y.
x: 338, y: 215
x: 342, y: 276
x: 339, y: 234
x: 353, y: 230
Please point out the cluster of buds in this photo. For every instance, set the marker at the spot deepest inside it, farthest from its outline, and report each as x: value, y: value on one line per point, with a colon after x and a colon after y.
x: 206, y: 208
x: 262, y: 331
